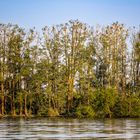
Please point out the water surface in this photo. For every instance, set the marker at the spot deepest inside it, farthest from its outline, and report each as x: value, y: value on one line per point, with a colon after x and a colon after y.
x: 68, y: 129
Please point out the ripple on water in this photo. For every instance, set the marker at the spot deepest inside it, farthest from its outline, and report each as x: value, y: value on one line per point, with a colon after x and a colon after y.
x: 68, y: 129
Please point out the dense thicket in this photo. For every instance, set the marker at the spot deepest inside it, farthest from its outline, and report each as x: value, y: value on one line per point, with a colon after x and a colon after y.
x: 70, y: 69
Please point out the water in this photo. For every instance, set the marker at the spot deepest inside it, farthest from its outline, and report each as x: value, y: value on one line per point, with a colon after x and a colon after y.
x: 68, y: 129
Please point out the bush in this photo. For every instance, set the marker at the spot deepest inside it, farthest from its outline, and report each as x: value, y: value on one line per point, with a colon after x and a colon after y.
x: 85, y: 112
x: 135, y: 106
x: 104, y: 102
x: 127, y: 106
x: 52, y: 112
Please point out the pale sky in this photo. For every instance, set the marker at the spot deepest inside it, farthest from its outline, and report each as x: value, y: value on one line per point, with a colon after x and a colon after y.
x: 38, y: 13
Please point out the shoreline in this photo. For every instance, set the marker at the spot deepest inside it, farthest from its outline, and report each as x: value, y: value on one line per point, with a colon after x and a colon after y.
x: 62, y: 117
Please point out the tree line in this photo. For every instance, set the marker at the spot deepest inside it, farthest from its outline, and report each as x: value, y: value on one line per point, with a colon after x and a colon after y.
x: 71, y: 69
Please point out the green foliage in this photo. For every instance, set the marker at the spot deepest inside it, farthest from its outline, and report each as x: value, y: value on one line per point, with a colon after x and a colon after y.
x: 128, y: 106
x: 104, y: 102
x: 71, y: 70
x: 52, y: 112
x: 83, y: 111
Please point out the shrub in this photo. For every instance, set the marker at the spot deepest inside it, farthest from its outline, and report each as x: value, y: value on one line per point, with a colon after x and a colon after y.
x: 83, y: 111
x: 104, y: 102
x: 52, y: 112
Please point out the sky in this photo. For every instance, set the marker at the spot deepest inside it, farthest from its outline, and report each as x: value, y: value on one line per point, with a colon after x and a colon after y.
x: 39, y: 13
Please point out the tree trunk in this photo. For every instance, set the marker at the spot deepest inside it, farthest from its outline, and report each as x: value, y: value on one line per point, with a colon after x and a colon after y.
x: 2, y: 98
x: 13, y: 100
x: 25, y: 105
x: 20, y: 105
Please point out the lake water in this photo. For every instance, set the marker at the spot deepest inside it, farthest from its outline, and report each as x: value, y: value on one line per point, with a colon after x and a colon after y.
x: 68, y: 129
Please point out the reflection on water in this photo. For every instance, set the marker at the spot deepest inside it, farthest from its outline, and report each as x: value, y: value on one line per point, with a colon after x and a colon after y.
x: 67, y: 129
